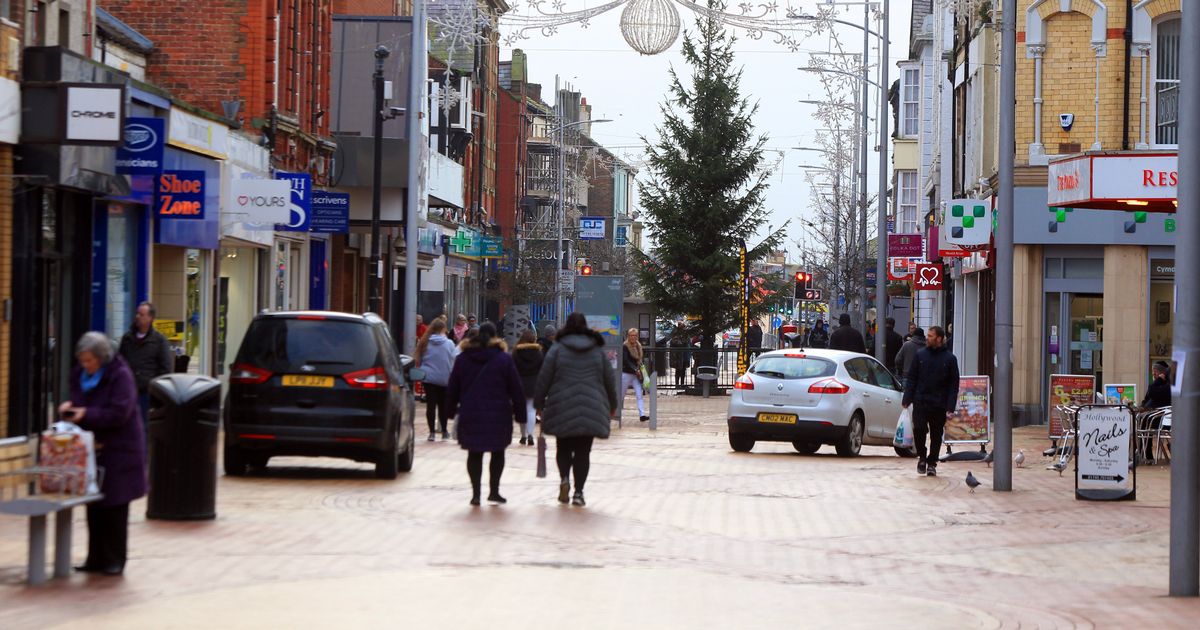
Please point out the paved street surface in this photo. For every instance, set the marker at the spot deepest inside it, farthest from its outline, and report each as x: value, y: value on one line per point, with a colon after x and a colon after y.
x: 679, y: 532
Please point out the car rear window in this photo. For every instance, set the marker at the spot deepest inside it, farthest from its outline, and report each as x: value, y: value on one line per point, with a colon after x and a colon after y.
x: 281, y: 344
x: 793, y: 367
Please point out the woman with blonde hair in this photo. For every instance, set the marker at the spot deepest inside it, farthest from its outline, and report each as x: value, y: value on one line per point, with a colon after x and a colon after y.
x: 632, y: 356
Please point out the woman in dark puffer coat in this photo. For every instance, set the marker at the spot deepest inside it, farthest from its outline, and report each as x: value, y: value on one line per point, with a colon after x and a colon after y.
x: 485, y: 392
x: 577, y: 395
x: 528, y: 357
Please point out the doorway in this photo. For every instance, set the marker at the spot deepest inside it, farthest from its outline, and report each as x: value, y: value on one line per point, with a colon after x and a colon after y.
x: 1075, y: 335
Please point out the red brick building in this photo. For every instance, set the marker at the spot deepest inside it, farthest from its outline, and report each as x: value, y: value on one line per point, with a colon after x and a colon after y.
x: 264, y: 63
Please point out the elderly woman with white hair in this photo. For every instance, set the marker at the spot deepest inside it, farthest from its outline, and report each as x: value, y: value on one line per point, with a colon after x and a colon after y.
x: 104, y: 400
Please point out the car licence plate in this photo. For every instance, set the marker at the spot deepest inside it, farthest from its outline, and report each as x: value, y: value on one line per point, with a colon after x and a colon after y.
x: 777, y: 418
x: 307, y: 380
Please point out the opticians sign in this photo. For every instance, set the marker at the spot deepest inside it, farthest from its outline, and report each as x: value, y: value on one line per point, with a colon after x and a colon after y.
x: 179, y: 195
x: 330, y: 213
x: 1115, y: 181
x: 141, y: 152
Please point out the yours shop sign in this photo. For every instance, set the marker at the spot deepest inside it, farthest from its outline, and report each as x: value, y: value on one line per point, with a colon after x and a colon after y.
x: 179, y: 195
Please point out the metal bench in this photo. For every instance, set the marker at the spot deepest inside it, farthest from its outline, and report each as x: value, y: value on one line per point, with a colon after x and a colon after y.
x: 19, y: 475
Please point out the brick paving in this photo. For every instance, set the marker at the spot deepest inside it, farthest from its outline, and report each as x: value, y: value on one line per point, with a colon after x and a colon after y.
x: 679, y: 532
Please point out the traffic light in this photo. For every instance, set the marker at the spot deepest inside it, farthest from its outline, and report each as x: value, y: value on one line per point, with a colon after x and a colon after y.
x: 804, y: 280
x: 585, y: 270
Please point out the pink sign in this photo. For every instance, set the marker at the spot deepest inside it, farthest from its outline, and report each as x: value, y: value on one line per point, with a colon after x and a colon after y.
x: 905, y: 246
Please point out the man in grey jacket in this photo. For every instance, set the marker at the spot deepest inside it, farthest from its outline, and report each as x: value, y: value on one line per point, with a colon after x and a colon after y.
x: 908, y: 352
x: 147, y: 352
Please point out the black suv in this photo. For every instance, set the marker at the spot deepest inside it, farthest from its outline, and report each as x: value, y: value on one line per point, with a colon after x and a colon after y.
x: 319, y: 384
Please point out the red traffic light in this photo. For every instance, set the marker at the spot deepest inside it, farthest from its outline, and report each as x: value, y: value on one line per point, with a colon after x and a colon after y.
x: 801, y: 276
x: 585, y: 270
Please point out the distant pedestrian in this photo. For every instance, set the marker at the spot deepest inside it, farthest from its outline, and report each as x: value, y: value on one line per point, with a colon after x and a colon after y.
x: 1158, y: 395
x: 485, y: 393
x: 577, y: 395
x: 908, y: 352
x: 104, y: 401
x: 459, y: 331
x: 421, y: 326
x: 148, y: 354
x: 754, y: 338
x: 931, y: 387
x: 436, y: 354
x: 818, y: 337
x: 546, y: 340
x: 681, y: 355
x: 847, y: 337
x: 472, y: 322
x: 892, y: 346
x: 631, y: 370
x: 528, y: 357
x: 912, y: 330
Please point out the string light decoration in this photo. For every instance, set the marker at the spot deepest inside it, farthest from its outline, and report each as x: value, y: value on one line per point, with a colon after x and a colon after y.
x: 650, y: 26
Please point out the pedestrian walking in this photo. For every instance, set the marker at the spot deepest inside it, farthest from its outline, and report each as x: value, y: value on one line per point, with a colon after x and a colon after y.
x: 908, y: 352
x: 148, y: 354
x: 577, y: 397
x: 892, y: 345
x: 631, y: 370
x: 103, y: 393
x: 421, y: 326
x: 681, y: 355
x: 754, y: 338
x: 546, y: 340
x: 528, y: 357
x: 818, y: 337
x: 435, y: 355
x: 485, y: 393
x: 931, y: 387
x: 459, y: 331
x: 847, y: 337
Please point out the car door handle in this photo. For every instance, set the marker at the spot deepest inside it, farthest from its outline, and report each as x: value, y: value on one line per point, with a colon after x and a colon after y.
x: 866, y: 395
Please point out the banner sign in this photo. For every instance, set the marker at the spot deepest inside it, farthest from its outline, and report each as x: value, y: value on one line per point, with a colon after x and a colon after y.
x: 928, y: 277
x: 259, y: 201
x: 901, y: 268
x: 95, y: 114
x: 330, y: 212
x: 301, y: 202
x: 142, y: 151
x: 1121, y: 394
x: 905, y: 245
x: 491, y: 247
x: 179, y: 195
x: 1104, y: 466
x: 971, y: 422
x: 743, y: 355
x: 1068, y: 390
x: 591, y: 229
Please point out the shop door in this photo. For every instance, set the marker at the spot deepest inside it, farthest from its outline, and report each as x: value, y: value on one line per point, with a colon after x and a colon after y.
x: 1075, y: 335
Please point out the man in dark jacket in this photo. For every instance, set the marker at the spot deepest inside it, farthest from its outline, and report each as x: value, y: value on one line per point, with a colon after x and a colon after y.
x: 846, y: 337
x: 754, y: 338
x: 147, y: 352
x: 893, y: 345
x: 818, y: 337
x: 931, y: 387
x: 1158, y: 395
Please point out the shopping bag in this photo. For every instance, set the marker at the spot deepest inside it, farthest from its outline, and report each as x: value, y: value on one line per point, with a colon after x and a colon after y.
x: 541, y: 463
x: 904, y: 429
x: 645, y: 379
x: 71, y: 451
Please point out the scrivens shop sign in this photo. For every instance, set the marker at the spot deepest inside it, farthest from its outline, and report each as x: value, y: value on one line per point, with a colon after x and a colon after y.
x: 1115, y: 181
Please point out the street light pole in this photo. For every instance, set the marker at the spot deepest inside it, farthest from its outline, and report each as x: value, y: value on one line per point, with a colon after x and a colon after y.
x: 418, y: 76
x: 560, y: 298
x: 1002, y: 452
x: 862, y: 210
x: 376, y: 296
x: 1185, y: 457
x: 882, y: 203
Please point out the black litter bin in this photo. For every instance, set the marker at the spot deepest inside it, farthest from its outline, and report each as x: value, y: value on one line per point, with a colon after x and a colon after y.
x: 184, y: 423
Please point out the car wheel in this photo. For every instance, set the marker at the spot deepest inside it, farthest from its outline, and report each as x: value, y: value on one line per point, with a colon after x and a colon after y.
x: 235, y: 462
x: 807, y: 448
x: 405, y: 459
x: 851, y: 445
x: 905, y: 452
x: 741, y: 443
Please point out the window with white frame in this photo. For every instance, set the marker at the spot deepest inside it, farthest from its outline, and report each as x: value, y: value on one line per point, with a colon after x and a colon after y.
x: 910, y: 103
x: 1166, y: 82
x: 907, y: 205
x: 622, y: 236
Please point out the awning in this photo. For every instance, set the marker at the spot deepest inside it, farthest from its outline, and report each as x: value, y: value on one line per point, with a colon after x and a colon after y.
x: 1123, y: 180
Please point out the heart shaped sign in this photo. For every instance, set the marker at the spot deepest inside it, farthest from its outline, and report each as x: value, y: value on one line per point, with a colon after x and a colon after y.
x: 929, y: 277
x: 243, y: 200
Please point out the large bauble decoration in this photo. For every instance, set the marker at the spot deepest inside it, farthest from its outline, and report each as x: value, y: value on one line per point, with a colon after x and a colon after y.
x: 650, y: 26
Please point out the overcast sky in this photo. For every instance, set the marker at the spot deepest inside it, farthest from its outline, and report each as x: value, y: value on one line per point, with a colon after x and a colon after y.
x: 627, y: 87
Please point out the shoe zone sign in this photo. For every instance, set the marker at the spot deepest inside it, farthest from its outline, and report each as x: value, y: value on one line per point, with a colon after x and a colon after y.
x: 301, y: 203
x: 179, y: 195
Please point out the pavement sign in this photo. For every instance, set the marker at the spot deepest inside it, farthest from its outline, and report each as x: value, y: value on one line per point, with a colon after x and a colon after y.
x: 1104, y: 465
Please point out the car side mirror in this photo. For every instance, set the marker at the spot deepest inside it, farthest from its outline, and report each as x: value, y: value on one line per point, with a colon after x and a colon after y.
x: 416, y: 374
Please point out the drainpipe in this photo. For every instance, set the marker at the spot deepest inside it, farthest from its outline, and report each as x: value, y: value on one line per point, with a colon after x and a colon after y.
x: 1125, y: 84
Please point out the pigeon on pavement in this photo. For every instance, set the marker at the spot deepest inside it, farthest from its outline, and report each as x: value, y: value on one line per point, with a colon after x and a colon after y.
x: 1019, y: 459
x: 972, y: 482
x: 1060, y: 466
x: 988, y: 458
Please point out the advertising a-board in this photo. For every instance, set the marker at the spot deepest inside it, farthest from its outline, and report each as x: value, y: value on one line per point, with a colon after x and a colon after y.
x: 1104, y: 468
x: 1120, y: 394
x: 971, y: 420
x: 1068, y: 390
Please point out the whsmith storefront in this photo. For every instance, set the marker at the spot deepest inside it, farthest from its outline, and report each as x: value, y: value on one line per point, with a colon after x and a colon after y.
x: 1094, y: 271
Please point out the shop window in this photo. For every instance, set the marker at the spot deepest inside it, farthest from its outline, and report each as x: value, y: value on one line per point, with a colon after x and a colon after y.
x: 1081, y: 268
x: 121, y: 270
x: 622, y: 238
x: 1054, y: 268
x: 1166, y: 82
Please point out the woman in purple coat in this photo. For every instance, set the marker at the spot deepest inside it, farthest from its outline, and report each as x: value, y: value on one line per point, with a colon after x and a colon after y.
x: 485, y: 391
x: 104, y: 400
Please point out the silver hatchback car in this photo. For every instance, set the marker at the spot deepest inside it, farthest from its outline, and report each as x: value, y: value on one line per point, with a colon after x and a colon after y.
x: 811, y: 397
